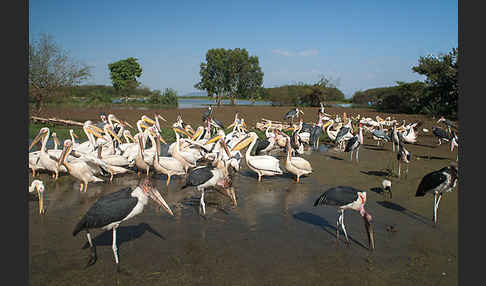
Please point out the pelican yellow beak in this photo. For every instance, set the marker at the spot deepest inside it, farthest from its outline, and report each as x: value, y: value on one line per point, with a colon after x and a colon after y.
x: 182, y: 131
x: 243, y: 143
x: 199, y: 131
x: 214, y: 139
x: 96, y: 128
x: 148, y: 120
x: 36, y: 139
x: 327, y: 124
x: 93, y: 130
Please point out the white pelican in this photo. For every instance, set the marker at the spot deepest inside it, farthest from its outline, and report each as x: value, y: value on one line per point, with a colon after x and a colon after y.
x: 187, y: 159
x: 114, y: 164
x: 296, y: 165
x: 79, y: 169
x: 38, y: 185
x: 46, y: 160
x: 263, y: 165
x: 167, y: 165
x: 140, y: 159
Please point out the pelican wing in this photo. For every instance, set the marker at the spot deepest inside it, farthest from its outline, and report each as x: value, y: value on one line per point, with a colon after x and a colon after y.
x: 171, y: 163
x: 265, y: 163
x: 301, y: 163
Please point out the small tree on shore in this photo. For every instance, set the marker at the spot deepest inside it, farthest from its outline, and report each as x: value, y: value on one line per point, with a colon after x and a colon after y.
x: 124, y: 74
x: 52, y: 70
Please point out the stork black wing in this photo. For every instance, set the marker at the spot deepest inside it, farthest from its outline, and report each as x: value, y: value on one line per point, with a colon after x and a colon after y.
x: 306, y: 127
x: 107, y: 209
x: 431, y: 181
x: 315, y: 134
x: 441, y: 133
x: 351, y: 142
x: 260, y: 145
x: 338, y: 196
x: 198, y: 176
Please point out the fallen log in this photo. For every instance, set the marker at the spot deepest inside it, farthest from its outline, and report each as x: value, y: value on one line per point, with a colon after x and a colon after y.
x: 55, y: 121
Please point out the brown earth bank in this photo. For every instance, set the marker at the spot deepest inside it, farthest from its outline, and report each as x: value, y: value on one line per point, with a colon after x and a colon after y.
x: 274, y: 236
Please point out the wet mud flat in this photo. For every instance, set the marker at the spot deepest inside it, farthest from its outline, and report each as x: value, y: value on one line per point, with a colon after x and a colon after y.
x: 273, y: 237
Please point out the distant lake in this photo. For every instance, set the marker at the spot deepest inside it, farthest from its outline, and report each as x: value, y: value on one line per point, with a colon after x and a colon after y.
x: 197, y: 103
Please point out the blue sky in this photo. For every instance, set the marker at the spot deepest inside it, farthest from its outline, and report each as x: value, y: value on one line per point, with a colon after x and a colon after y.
x: 357, y: 44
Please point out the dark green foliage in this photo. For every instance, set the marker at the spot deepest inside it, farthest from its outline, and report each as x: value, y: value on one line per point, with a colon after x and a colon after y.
x: 442, y: 84
x: 169, y: 97
x: 124, y: 74
x: 304, y: 94
x: 403, y: 98
x: 231, y: 73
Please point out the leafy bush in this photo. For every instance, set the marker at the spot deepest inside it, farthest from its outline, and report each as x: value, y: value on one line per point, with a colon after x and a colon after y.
x: 169, y: 97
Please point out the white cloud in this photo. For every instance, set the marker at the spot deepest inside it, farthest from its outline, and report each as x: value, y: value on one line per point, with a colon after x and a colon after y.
x: 282, y: 52
x: 306, y: 53
x: 303, y: 53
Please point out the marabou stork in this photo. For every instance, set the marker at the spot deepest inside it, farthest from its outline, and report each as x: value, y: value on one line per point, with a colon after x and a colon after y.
x: 207, y: 113
x: 345, y: 197
x: 203, y: 177
x: 380, y: 134
x: 403, y: 155
x: 343, y: 134
x: 354, y: 143
x: 455, y: 143
x: 291, y: 114
x: 38, y: 185
x: 110, y: 210
x: 438, y: 182
x: 441, y: 134
x: 447, y: 122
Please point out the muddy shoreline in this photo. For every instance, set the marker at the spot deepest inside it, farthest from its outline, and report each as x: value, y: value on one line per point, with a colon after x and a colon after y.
x: 274, y: 237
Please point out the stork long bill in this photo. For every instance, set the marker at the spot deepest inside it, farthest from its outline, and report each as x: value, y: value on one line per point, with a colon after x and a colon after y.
x: 369, y: 230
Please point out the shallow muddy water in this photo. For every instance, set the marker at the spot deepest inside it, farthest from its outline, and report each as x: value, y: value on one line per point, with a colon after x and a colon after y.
x: 273, y: 237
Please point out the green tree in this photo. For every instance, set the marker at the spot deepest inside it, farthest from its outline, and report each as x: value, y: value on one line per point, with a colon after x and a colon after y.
x: 230, y: 72
x: 441, y: 73
x: 52, y: 70
x: 124, y: 74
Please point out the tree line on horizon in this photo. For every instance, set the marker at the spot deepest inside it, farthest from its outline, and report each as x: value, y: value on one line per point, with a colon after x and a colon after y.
x: 233, y: 73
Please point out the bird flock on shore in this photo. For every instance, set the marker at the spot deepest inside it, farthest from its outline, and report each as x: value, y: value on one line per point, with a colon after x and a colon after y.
x: 208, y: 157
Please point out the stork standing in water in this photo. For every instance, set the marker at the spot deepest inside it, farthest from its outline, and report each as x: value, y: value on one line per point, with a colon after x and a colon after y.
x: 441, y: 134
x: 203, y: 177
x: 345, y: 197
x: 354, y: 143
x: 291, y: 114
x: 38, y: 185
x: 438, y: 182
x: 110, y: 210
x: 403, y: 155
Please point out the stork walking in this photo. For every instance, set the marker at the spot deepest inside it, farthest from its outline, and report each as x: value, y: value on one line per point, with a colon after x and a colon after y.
x: 345, y: 197
x: 110, y: 210
x: 354, y: 143
x: 403, y: 155
x: 291, y: 114
x: 438, y: 182
x: 441, y: 134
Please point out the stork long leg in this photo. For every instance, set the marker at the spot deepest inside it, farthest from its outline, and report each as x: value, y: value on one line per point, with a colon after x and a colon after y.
x: 398, y: 169
x: 357, y: 155
x: 343, y: 227
x: 436, y: 206
x: 351, y: 157
x: 202, y: 206
x: 93, y: 257
x: 114, y: 247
